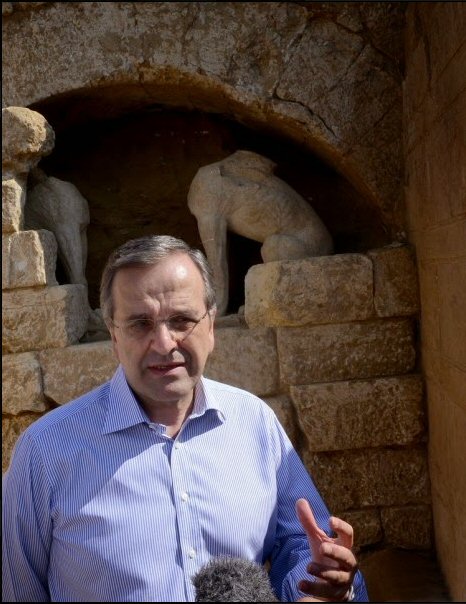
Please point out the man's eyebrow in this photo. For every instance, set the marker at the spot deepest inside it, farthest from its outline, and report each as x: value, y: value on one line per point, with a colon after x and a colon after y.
x: 184, y: 312
x: 136, y: 316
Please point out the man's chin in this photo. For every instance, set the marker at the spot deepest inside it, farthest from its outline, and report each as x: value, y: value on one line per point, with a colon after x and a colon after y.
x: 171, y: 390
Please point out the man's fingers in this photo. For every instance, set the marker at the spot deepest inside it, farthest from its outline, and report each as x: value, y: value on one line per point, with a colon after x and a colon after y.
x: 344, y: 531
x: 316, y: 568
x: 340, y: 554
x: 331, y: 575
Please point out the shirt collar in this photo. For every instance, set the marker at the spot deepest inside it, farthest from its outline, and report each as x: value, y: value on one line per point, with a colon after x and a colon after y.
x: 204, y: 400
x: 124, y: 410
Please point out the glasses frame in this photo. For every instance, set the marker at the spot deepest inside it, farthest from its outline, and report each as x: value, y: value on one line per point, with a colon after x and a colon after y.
x: 176, y: 338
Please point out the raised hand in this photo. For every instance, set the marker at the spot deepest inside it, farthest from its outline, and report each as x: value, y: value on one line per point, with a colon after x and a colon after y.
x: 333, y: 562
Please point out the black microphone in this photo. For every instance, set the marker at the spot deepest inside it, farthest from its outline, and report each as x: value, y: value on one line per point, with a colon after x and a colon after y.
x: 233, y: 580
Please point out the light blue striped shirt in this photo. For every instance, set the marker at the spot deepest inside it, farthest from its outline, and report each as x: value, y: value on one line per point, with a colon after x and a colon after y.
x: 101, y: 506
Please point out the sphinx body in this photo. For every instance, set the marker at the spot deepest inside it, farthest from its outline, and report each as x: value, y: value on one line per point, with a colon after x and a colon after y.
x: 241, y: 194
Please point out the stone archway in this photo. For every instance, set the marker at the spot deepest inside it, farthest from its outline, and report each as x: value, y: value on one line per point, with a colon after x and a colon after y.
x: 242, y: 60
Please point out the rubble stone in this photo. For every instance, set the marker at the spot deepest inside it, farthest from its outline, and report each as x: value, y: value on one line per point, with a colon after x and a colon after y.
x: 12, y: 427
x: 327, y: 289
x: 283, y: 408
x: 361, y: 413
x: 51, y: 317
x: 371, y: 477
x: 73, y: 371
x: 22, y: 370
x: 26, y: 138
x: 245, y: 358
x: 408, y: 526
x: 395, y: 281
x: 366, y: 525
x: 325, y: 353
x: 28, y: 259
x: 13, y: 199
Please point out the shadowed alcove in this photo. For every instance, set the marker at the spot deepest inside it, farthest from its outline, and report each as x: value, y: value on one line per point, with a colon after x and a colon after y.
x: 135, y: 167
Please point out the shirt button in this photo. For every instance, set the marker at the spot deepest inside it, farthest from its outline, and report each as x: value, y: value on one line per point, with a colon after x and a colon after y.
x: 177, y: 445
x: 192, y: 553
x: 184, y: 496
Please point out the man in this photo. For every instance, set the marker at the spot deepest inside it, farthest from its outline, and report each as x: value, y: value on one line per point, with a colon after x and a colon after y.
x: 125, y: 493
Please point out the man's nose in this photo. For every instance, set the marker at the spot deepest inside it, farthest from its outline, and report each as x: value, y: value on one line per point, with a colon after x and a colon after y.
x: 161, y: 338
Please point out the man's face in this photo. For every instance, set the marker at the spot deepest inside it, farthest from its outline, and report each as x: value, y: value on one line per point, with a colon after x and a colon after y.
x: 160, y: 367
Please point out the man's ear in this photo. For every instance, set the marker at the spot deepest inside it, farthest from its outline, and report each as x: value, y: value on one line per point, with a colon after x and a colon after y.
x: 111, y: 330
x: 115, y: 351
x: 212, y: 314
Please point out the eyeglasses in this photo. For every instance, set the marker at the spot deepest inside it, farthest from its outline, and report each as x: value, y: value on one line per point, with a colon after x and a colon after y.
x: 179, y: 327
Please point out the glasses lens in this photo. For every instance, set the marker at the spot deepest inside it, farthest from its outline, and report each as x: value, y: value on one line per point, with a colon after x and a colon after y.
x: 179, y: 327
x: 138, y: 329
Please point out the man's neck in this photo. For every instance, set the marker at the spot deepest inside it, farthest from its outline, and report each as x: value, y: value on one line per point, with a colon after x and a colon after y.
x: 173, y: 421
x: 172, y: 414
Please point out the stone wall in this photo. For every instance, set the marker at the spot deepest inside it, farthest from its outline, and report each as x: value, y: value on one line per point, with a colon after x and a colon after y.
x: 37, y: 313
x: 435, y: 147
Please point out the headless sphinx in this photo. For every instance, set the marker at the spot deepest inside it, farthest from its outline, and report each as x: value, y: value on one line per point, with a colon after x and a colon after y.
x: 241, y: 194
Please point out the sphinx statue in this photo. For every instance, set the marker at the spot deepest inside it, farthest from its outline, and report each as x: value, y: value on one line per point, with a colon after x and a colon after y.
x: 58, y: 206
x: 241, y: 194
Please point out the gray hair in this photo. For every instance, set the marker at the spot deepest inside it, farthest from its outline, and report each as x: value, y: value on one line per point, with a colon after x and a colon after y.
x: 146, y: 251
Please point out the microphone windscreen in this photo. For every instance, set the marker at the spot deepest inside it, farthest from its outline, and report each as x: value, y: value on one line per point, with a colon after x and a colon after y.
x: 233, y: 580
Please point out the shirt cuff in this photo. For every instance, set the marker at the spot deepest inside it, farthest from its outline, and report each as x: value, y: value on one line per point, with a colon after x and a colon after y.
x: 350, y: 595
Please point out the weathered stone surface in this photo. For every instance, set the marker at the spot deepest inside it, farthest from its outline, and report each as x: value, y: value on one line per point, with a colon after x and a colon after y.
x: 361, y: 413
x: 327, y: 353
x: 396, y: 575
x: 52, y: 317
x: 284, y: 411
x: 246, y: 358
x: 28, y: 259
x: 435, y: 152
x: 366, y: 525
x: 338, y: 49
x: 340, y: 107
x: 73, y: 371
x: 22, y: 384
x: 447, y: 452
x: 370, y: 477
x: 26, y: 138
x: 234, y: 320
x: 13, y: 199
x: 408, y: 526
x: 10, y: 7
x: 451, y: 313
x: 328, y: 289
x: 395, y: 281
x: 12, y: 427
